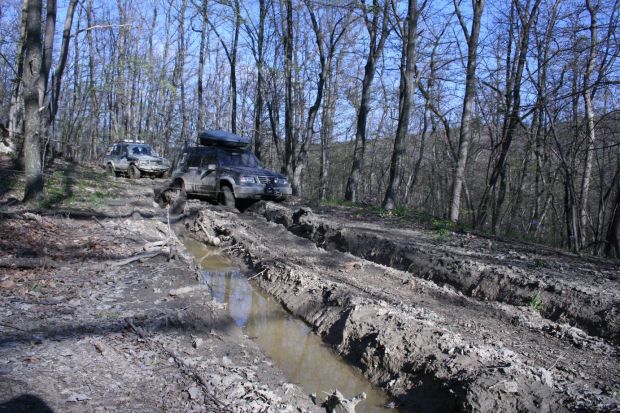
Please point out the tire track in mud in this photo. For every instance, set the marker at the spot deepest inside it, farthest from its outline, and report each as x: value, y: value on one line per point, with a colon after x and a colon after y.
x: 431, y: 347
x: 582, y: 303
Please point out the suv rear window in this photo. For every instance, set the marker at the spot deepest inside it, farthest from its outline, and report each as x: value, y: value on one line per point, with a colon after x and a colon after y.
x: 141, y: 150
x: 244, y: 159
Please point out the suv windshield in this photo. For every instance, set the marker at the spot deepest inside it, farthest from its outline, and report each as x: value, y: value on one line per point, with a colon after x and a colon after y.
x: 141, y: 150
x: 243, y: 159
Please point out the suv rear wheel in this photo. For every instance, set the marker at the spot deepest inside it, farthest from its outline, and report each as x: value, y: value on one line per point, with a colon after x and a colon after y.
x: 227, y: 197
x: 109, y: 170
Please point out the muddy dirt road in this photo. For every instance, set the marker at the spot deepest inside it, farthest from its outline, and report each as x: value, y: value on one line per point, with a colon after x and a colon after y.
x: 96, y: 317
x: 104, y: 309
x: 443, y: 325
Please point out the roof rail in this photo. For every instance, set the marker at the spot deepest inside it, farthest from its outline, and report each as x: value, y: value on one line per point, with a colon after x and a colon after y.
x: 130, y: 141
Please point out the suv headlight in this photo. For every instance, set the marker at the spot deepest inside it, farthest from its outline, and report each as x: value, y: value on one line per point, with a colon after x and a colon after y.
x: 282, y: 181
x: 247, y: 179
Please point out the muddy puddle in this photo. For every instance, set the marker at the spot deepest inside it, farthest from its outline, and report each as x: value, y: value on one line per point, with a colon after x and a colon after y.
x: 288, y: 341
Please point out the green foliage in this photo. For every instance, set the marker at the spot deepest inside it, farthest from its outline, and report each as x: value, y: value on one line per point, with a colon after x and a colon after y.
x: 443, y: 228
x: 400, y: 211
x: 380, y: 212
x: 74, y: 187
x: 536, y: 302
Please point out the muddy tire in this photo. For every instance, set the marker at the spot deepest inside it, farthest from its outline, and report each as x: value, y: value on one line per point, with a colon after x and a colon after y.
x: 134, y: 172
x: 109, y: 170
x: 175, y: 197
x: 227, y: 198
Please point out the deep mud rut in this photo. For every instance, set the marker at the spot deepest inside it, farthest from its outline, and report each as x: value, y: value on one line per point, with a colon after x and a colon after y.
x: 82, y: 330
x: 443, y: 326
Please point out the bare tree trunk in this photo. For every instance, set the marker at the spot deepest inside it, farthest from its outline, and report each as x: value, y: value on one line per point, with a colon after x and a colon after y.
x: 589, y: 112
x: 260, y: 60
x: 92, y: 91
x: 405, y: 98
x: 327, y: 127
x: 512, y: 118
x: 468, y: 103
x: 16, y: 108
x: 62, y: 60
x: 48, y: 49
x: 612, y: 247
x: 201, y: 65
x: 289, y: 138
x: 180, y: 66
x: 378, y: 37
x: 33, y: 61
x: 233, y: 66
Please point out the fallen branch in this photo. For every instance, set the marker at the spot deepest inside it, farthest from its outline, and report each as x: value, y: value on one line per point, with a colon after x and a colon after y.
x: 98, y: 222
x: 144, y: 255
x: 211, y: 240
x: 151, y: 246
x: 257, y: 274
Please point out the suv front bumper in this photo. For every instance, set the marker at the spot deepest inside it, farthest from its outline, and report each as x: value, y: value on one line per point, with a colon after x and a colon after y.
x: 153, y: 168
x: 261, y: 191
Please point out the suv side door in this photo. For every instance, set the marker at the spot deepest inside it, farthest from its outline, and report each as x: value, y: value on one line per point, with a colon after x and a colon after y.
x: 192, y: 175
x: 119, y: 155
x: 208, y: 177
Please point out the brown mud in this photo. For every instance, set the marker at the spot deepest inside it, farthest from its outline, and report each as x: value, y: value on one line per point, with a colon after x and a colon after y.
x: 432, y: 346
x: 582, y: 292
x: 103, y: 309
x: 86, y: 328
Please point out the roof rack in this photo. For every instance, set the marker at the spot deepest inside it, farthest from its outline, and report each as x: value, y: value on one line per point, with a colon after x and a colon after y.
x: 222, y: 138
x: 129, y: 141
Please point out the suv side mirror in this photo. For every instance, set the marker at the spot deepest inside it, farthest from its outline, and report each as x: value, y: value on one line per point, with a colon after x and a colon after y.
x: 211, y: 167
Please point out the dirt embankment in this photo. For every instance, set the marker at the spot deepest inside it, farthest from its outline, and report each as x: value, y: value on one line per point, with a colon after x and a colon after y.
x: 570, y: 289
x: 433, y: 347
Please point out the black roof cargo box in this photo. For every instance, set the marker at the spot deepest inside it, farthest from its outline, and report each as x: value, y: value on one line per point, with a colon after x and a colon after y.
x: 222, y: 138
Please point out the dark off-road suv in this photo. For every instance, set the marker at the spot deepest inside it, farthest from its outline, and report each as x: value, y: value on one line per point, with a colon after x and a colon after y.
x: 222, y: 168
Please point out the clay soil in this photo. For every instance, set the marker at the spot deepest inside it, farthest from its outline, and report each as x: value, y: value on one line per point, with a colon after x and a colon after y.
x: 84, y: 330
x: 457, y: 322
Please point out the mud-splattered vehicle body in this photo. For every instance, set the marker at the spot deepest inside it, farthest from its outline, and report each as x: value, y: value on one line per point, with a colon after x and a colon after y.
x: 135, y: 159
x: 222, y: 168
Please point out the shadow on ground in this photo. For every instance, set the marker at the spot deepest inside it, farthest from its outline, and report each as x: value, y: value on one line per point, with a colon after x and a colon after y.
x: 25, y: 403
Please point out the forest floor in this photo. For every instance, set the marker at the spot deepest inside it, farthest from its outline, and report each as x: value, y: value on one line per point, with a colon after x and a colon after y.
x: 442, y: 320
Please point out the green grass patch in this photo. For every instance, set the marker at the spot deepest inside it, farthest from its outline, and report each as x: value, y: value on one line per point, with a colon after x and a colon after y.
x: 400, y: 211
x: 76, y: 186
x: 536, y: 302
x: 443, y: 228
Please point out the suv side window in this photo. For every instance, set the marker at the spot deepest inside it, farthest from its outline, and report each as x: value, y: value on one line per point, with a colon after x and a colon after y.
x: 194, y: 160
x: 209, y: 157
x: 120, y: 150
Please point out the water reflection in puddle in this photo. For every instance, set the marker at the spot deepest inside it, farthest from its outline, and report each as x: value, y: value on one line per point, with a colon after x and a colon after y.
x: 288, y: 341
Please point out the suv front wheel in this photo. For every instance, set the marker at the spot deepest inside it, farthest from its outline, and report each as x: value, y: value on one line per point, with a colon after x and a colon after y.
x: 134, y: 172
x: 109, y: 170
x: 227, y: 197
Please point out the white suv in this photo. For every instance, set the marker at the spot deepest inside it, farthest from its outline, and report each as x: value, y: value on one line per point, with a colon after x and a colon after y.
x: 135, y: 159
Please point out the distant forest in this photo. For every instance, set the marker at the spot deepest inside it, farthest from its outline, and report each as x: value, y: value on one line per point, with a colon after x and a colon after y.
x: 502, y: 116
